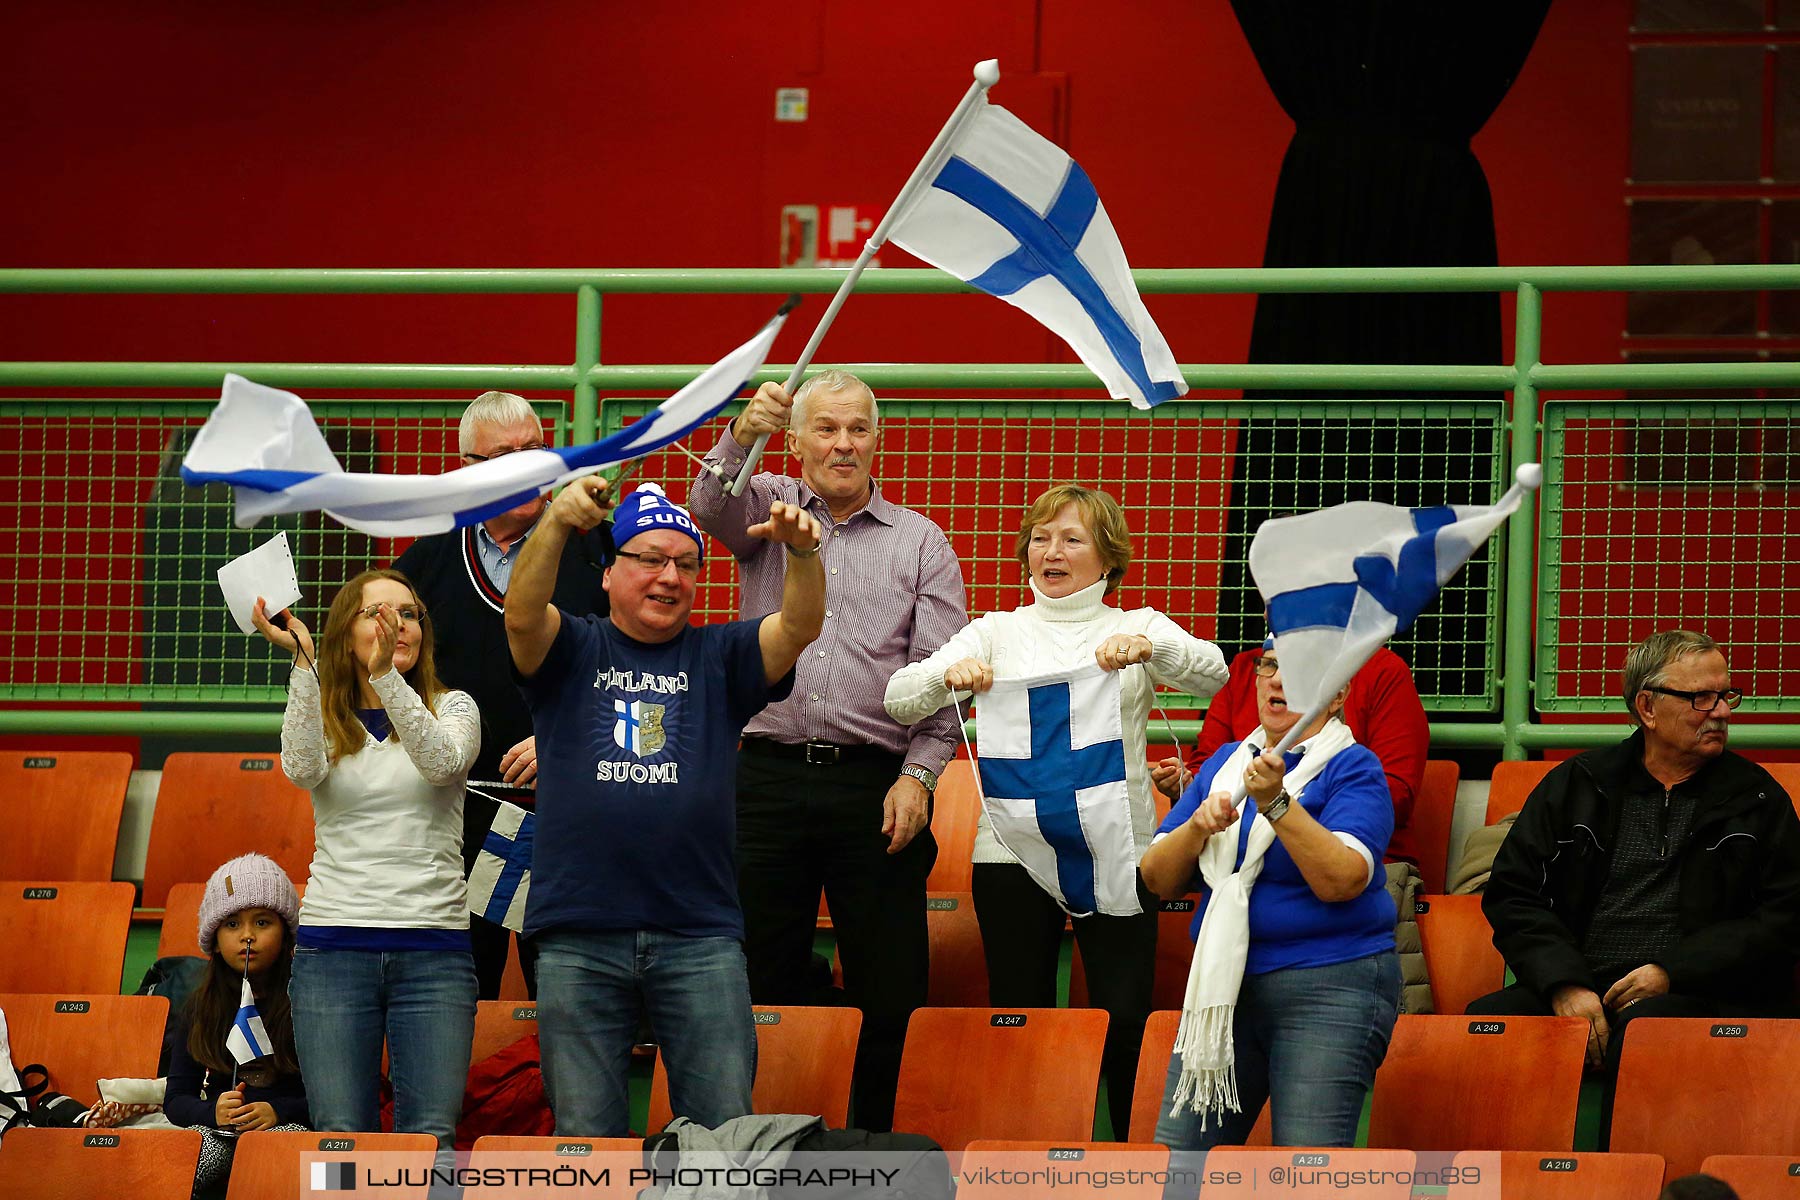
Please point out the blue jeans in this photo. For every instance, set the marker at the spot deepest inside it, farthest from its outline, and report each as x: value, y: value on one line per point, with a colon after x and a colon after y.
x: 346, y: 1001
x: 593, y: 984
x: 1308, y: 1040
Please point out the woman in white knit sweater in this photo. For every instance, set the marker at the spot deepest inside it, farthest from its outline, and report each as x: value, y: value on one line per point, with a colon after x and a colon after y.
x: 1076, y: 546
x: 382, y: 950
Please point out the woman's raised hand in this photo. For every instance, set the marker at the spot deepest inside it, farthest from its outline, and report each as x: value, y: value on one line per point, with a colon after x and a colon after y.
x: 295, y: 639
x: 969, y: 675
x: 387, y: 636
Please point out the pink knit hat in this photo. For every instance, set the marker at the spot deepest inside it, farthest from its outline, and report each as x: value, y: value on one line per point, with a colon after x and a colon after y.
x: 249, y: 881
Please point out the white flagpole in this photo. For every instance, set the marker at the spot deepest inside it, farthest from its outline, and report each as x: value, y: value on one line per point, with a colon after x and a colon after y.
x: 987, y: 74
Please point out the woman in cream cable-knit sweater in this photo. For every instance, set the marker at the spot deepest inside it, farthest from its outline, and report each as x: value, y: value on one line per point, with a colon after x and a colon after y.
x: 382, y: 950
x: 1076, y: 546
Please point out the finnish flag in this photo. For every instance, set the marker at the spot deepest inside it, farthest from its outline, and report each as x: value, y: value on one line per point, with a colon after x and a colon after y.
x: 1341, y: 581
x: 265, y: 444
x: 1052, y: 764
x: 501, y: 878
x: 1012, y: 214
x: 247, y: 1040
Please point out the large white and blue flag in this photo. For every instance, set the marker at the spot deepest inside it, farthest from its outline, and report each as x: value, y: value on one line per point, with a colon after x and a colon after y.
x: 1011, y: 213
x: 1052, y: 764
x: 500, y: 881
x: 247, y: 1039
x: 265, y: 444
x: 1341, y: 581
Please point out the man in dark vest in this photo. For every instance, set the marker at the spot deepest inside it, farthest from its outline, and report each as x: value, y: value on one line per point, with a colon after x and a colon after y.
x: 462, y: 577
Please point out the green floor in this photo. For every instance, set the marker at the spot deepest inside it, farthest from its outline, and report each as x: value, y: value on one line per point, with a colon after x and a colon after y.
x: 140, y: 952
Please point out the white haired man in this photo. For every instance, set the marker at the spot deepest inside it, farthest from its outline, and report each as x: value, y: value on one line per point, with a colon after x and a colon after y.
x: 832, y: 791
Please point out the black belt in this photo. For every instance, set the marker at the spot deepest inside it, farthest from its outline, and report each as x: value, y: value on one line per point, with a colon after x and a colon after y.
x: 820, y: 754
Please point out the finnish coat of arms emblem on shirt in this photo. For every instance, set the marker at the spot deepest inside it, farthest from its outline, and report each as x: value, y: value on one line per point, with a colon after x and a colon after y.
x: 638, y: 726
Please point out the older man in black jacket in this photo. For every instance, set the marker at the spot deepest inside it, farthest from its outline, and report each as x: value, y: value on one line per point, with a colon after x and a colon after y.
x: 1656, y: 878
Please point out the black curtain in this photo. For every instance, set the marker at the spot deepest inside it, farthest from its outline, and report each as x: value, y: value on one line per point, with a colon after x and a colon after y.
x: 1384, y: 95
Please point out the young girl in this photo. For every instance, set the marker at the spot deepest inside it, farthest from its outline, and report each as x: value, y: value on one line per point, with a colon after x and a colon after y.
x: 247, y: 919
x: 382, y: 951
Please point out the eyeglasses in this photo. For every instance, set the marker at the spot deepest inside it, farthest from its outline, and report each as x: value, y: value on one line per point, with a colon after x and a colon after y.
x: 653, y: 562
x: 1704, y: 701
x: 503, y: 452
x: 413, y: 613
x: 1266, y: 665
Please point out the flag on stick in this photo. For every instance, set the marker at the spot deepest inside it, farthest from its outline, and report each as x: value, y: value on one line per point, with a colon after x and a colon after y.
x: 1341, y: 581
x: 247, y: 1040
x: 1011, y: 213
x: 265, y: 444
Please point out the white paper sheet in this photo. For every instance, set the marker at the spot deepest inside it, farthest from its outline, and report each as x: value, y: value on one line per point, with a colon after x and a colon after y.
x: 267, y: 571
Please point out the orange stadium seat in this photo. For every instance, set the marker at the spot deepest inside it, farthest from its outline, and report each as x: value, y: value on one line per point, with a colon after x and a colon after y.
x: 804, y: 1058
x: 954, y: 808
x: 268, y: 1165
x: 75, y: 932
x: 958, y: 966
x: 1153, y: 1075
x: 80, y: 1164
x: 62, y: 810
x: 1434, y: 808
x: 1252, y: 1172
x: 215, y: 806
x: 83, y: 1039
x: 1512, y: 782
x: 1788, y: 776
x: 1068, y: 1160
x: 1756, y: 1176
x: 1466, y: 1083
x: 498, y: 1024
x: 969, y: 1073
x: 1690, y: 1087
x: 1557, y: 1175
x: 1459, y: 951
x: 1174, y: 955
x: 616, y: 1156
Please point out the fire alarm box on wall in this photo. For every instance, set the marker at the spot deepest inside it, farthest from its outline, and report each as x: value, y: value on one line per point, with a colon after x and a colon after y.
x: 833, y: 241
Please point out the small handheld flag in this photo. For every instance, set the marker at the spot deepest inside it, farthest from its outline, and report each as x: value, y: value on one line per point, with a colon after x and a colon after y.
x: 500, y: 881
x: 248, y: 1040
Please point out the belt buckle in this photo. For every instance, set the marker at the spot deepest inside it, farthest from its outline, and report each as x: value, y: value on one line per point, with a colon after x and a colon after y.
x: 821, y: 754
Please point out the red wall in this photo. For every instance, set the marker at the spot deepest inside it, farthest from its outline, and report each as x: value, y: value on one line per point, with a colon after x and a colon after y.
x: 559, y: 134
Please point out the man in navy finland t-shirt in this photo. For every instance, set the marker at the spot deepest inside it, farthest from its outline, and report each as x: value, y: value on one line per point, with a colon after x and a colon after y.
x: 633, y: 900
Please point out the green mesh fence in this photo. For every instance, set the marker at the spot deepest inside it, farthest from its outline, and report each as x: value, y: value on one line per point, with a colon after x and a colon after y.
x: 1194, y: 479
x: 1667, y: 515
x: 108, y: 588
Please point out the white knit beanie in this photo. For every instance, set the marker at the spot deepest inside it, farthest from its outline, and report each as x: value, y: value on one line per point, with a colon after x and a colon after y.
x: 249, y: 881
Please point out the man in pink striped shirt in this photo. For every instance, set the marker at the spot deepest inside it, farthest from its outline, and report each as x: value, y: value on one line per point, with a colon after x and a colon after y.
x: 832, y: 792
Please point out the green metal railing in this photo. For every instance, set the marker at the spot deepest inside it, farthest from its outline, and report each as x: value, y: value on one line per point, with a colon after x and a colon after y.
x: 1491, y: 656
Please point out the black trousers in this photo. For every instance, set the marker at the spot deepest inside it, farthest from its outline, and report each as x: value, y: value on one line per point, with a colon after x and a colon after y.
x: 1021, y: 938
x: 1520, y: 1001
x: 803, y: 827
x: 487, y: 941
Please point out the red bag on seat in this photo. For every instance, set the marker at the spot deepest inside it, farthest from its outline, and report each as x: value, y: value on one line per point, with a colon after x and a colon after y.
x: 505, y: 1094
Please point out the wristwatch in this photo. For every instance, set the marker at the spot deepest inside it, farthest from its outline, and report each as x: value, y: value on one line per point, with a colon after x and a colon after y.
x: 922, y: 775
x: 1277, y: 808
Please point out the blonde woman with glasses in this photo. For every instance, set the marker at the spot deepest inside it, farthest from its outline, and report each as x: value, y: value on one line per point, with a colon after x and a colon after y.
x: 382, y: 948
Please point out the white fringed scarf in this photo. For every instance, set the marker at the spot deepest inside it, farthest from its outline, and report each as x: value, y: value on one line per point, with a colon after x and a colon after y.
x: 1208, y: 1083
